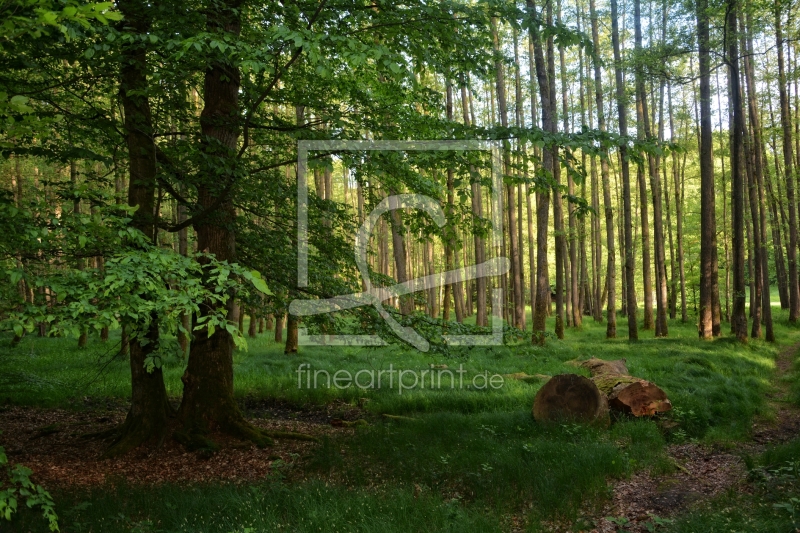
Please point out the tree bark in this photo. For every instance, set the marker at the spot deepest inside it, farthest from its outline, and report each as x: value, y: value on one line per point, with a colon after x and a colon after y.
x: 738, y: 316
x: 630, y: 289
x: 481, y: 318
x: 788, y: 172
x: 658, y: 231
x: 454, y: 282
x: 549, y: 160
x: 758, y: 205
x: 513, y: 238
x: 708, y: 239
x: 147, y: 418
x: 611, y: 267
x: 208, y: 402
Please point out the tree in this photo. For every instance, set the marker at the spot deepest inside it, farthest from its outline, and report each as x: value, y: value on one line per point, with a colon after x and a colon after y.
x: 611, y: 274
x: 630, y: 287
x: 738, y: 316
x: 788, y: 169
x: 708, y: 231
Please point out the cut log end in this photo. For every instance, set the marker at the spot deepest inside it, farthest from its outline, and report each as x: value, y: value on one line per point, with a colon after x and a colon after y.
x: 571, y: 397
x: 641, y: 398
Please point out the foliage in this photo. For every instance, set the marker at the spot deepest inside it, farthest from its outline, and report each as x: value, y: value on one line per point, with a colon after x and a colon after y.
x: 16, y: 485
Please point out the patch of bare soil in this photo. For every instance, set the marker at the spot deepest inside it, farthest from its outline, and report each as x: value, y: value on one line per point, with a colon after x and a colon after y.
x: 703, y: 472
x: 53, y: 443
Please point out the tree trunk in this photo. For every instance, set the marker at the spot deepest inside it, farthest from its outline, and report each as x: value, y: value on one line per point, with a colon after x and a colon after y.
x: 454, y: 281
x: 280, y: 322
x: 399, y: 253
x: 757, y: 206
x: 788, y: 163
x: 558, y: 215
x: 518, y: 319
x: 549, y: 161
x: 519, y: 122
x: 738, y: 316
x: 708, y: 239
x: 252, y: 327
x: 630, y: 289
x: 208, y: 402
x: 611, y: 266
x: 658, y: 231
x: 146, y: 421
x: 678, y: 211
x: 481, y: 318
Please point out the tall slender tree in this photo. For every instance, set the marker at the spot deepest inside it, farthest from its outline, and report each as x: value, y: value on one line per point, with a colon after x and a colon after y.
x: 622, y: 109
x: 788, y: 169
x: 708, y: 225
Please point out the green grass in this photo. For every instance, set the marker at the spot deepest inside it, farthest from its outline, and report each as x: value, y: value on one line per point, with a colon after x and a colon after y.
x: 503, y: 461
x: 473, y: 457
x: 264, y: 508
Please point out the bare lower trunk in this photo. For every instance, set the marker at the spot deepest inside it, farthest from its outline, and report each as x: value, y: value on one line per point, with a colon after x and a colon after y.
x: 708, y: 244
x: 611, y: 272
x: 738, y: 316
x: 208, y: 403
x: 146, y: 421
x: 542, y: 301
x: 630, y: 289
x: 788, y: 166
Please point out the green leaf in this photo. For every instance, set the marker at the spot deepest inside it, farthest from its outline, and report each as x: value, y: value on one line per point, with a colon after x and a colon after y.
x: 259, y: 283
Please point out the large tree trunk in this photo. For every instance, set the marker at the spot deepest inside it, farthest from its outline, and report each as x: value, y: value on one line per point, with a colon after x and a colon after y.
x: 148, y: 414
x: 708, y: 238
x: 208, y: 402
x: 738, y: 316
x: 788, y: 164
x: 630, y: 289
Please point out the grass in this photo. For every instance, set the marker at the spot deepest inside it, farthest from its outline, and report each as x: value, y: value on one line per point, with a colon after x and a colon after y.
x: 471, y: 460
x: 268, y: 507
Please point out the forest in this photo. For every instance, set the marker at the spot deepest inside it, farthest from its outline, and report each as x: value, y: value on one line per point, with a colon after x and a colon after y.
x: 425, y: 265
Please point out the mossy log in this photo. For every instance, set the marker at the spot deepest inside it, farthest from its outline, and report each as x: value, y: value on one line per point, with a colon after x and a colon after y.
x: 633, y: 395
x: 599, y: 367
x: 527, y: 378
x: 571, y: 397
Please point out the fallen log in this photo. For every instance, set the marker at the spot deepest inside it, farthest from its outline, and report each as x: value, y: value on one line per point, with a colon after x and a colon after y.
x: 527, y: 378
x: 598, y: 367
x: 571, y: 397
x: 629, y: 394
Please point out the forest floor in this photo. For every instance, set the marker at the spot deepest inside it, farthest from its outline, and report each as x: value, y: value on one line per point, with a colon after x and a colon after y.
x: 704, y: 471
x: 423, y: 460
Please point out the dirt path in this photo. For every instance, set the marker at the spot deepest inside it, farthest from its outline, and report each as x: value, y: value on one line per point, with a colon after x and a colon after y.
x: 703, y: 472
